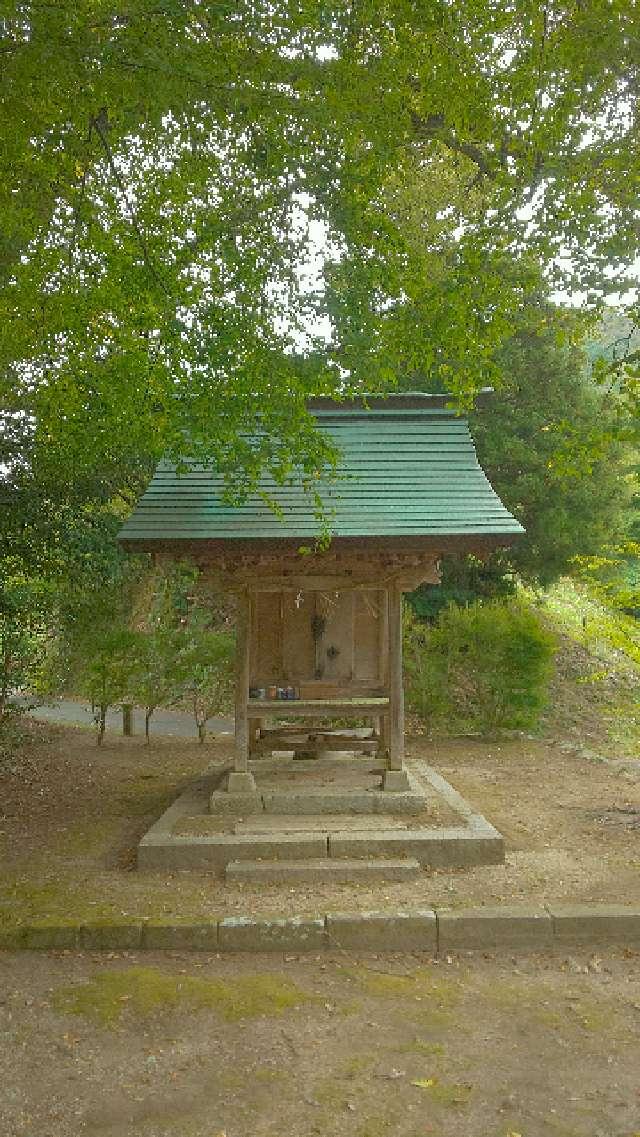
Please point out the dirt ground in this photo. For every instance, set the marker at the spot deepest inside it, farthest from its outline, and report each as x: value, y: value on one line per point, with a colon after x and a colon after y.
x: 338, y: 1045
x: 72, y: 815
x: 335, y: 1046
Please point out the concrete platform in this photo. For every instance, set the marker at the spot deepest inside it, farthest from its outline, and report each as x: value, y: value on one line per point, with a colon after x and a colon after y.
x: 325, y: 785
x: 446, y: 833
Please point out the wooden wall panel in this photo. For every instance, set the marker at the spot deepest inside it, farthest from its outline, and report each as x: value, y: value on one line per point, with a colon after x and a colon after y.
x: 369, y: 620
x: 334, y: 649
x: 297, y: 636
x: 266, y: 638
x: 323, y: 636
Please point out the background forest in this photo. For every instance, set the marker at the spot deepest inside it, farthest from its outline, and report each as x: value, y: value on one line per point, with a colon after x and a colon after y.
x: 211, y: 213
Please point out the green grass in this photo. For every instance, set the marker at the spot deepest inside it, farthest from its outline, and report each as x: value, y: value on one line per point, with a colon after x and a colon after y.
x: 611, y: 636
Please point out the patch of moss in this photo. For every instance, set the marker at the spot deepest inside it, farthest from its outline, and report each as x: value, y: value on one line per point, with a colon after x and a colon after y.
x: 598, y: 1018
x: 231, y: 1079
x: 62, y: 900
x: 92, y: 835
x: 11, y: 936
x: 383, y: 984
x: 547, y: 1017
x: 555, y: 1126
x: 149, y: 799
x: 144, y: 990
x: 530, y: 995
x: 266, y: 1075
x: 448, y: 1094
x: 330, y: 1093
x: 349, y: 1007
x: 537, y: 1000
x: 421, y: 1046
x: 357, y: 1065
x: 31, y: 894
x: 432, y: 999
x: 374, y: 1127
x: 39, y: 902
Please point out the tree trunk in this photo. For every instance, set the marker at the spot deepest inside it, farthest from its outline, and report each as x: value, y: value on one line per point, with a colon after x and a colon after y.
x: 127, y: 719
x: 147, y: 716
x: 202, y: 730
x: 6, y: 684
x: 102, y: 723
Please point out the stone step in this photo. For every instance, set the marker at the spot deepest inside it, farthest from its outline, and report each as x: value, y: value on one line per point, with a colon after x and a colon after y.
x: 272, y: 823
x: 322, y: 869
x: 316, y: 800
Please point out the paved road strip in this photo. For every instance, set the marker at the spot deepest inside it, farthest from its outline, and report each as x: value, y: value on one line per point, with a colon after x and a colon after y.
x: 164, y: 723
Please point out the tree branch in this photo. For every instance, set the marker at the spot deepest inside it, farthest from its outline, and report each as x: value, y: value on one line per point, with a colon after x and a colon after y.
x: 435, y: 127
x: 100, y: 124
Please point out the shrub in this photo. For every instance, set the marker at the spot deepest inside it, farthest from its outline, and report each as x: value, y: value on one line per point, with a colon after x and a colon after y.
x: 204, y: 669
x: 109, y: 675
x: 479, y: 669
x: 463, y: 581
x: 22, y: 640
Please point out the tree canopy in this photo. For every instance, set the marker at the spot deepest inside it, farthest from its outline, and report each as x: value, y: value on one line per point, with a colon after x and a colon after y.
x: 166, y: 165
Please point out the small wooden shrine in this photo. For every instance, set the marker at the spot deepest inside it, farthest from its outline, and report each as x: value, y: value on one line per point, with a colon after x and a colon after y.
x: 319, y: 634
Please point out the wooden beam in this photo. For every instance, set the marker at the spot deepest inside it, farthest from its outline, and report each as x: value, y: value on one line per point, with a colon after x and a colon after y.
x: 317, y: 742
x: 257, y: 581
x: 360, y: 706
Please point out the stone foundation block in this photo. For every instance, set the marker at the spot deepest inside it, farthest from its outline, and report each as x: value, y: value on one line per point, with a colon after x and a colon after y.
x: 349, y: 801
x: 396, y: 781
x: 595, y: 924
x: 527, y: 928
x: 180, y: 937
x: 213, y: 853
x: 230, y: 801
x: 441, y: 848
x: 243, y: 933
x: 379, y: 931
x: 320, y: 870
x: 241, y: 782
x: 109, y: 937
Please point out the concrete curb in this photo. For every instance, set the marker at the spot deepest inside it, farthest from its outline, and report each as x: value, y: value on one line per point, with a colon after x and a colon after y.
x: 547, y: 928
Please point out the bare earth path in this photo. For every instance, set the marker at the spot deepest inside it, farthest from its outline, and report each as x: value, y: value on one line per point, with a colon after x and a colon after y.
x: 340, y: 1046
x: 71, y: 815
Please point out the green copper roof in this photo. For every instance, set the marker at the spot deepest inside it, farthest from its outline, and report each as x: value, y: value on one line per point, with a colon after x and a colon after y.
x: 408, y: 469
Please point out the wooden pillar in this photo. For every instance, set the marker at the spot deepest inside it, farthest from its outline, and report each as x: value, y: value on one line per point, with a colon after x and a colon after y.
x: 383, y: 744
x: 242, y: 683
x: 396, y: 691
x: 240, y: 780
x: 395, y: 777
